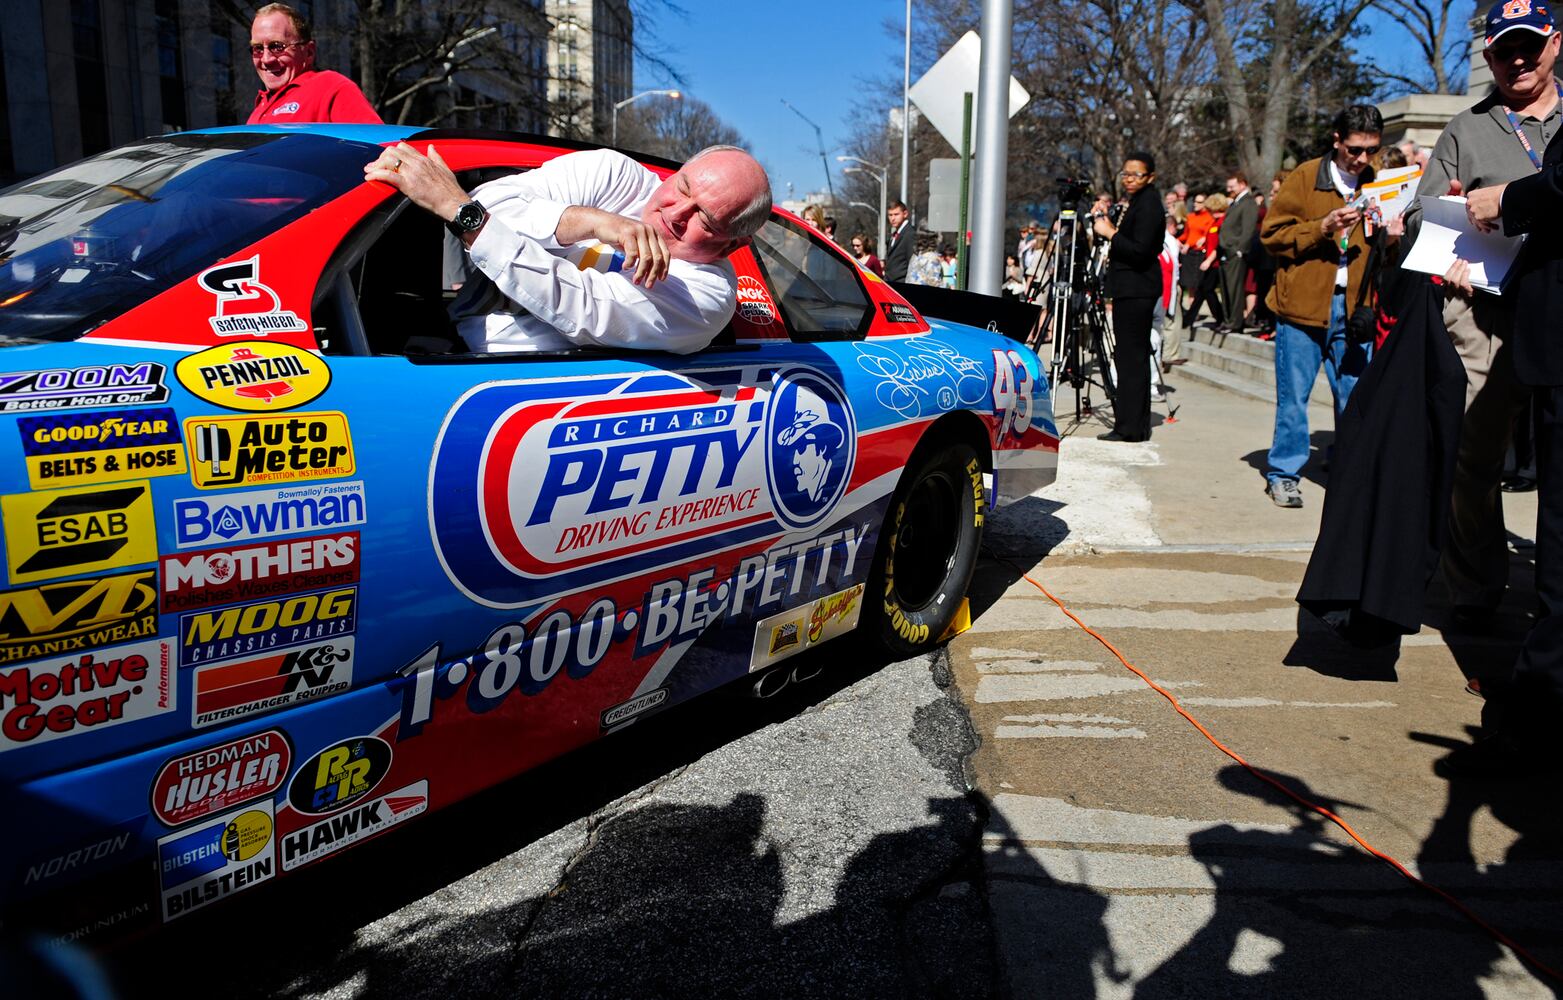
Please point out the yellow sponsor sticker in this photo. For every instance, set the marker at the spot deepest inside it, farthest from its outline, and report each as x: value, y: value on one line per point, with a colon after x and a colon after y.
x: 100, y: 446
x: 255, y: 376
x: 258, y: 450
x: 57, y: 533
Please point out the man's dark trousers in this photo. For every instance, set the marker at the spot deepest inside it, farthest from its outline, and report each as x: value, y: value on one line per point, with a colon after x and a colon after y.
x: 1234, y: 273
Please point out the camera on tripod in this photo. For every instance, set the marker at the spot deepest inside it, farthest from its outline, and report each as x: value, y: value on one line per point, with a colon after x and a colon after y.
x: 1072, y: 191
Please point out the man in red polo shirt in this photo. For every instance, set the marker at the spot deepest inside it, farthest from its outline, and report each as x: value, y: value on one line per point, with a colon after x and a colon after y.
x: 283, y: 51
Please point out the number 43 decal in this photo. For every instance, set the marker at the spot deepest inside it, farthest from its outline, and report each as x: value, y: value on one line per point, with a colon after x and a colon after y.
x: 1012, y: 402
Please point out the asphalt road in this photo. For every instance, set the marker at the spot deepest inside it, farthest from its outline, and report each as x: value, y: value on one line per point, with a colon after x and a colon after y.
x: 1015, y: 816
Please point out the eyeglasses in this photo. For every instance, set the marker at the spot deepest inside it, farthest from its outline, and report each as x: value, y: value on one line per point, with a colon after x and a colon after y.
x: 1527, y: 45
x: 1132, y: 173
x: 275, y: 48
x: 1362, y: 150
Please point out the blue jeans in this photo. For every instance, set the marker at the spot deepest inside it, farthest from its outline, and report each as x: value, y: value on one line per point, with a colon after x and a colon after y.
x: 1299, y: 350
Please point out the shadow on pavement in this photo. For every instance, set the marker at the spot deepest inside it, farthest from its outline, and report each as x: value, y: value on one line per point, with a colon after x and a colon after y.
x: 1333, y: 921
x: 1314, y: 470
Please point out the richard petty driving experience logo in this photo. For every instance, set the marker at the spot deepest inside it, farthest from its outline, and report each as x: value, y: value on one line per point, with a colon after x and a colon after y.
x: 583, y: 482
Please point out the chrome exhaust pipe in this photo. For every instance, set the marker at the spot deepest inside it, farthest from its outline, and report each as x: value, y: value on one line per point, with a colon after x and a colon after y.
x: 807, y: 671
x: 771, y: 683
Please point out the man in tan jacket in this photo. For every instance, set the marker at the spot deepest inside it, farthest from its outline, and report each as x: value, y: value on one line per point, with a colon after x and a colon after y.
x: 1321, y: 258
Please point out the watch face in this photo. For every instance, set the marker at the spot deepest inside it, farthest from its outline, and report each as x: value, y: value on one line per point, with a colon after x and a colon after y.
x: 469, y: 216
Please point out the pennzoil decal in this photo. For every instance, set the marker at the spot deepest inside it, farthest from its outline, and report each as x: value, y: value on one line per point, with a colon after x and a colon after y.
x: 65, y: 532
x: 80, y: 388
x: 55, y: 618
x: 234, y: 450
x: 545, y: 487
x: 245, y: 306
x: 101, y: 446
x: 257, y: 376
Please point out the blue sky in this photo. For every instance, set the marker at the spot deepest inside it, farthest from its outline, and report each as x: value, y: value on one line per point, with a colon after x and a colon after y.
x: 744, y: 57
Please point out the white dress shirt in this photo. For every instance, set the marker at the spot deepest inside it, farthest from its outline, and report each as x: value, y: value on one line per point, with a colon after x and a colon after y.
x: 564, y: 305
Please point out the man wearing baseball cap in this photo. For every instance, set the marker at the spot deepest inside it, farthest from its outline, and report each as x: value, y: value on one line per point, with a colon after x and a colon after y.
x: 1499, y: 140
x: 1522, y: 720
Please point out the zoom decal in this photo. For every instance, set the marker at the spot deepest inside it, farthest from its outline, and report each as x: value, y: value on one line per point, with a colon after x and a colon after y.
x: 540, y: 488
x: 80, y: 388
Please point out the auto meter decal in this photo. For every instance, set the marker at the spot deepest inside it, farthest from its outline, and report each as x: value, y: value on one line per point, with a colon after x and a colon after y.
x: 233, y: 450
x: 543, y: 488
x: 339, y: 775
x: 217, y: 777
x: 254, y: 375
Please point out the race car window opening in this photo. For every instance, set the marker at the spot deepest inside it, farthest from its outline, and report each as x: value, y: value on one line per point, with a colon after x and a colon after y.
x: 94, y: 239
x: 820, y: 293
x: 405, y: 268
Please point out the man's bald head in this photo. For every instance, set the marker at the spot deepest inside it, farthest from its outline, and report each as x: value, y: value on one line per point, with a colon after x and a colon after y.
x: 711, y: 206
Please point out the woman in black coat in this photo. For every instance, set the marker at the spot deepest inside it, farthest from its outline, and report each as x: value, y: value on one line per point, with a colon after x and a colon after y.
x: 1134, y: 276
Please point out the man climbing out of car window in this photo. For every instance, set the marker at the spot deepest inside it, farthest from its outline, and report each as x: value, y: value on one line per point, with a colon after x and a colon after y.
x: 592, y: 248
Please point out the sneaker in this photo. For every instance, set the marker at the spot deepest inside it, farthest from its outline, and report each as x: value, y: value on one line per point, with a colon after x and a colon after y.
x: 1284, y: 493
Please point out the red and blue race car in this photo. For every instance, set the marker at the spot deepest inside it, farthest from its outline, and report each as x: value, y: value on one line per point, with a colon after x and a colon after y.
x: 285, y: 568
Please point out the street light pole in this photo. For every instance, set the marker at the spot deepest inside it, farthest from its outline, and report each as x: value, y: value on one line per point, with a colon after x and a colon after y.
x: 906, y: 106
x: 672, y: 94
x: 883, y: 176
x: 819, y: 139
x: 987, y: 258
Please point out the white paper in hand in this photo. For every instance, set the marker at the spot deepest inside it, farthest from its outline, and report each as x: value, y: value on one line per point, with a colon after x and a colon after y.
x: 1447, y: 234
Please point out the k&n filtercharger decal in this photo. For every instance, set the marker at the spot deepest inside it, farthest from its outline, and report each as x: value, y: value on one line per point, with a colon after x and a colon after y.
x: 542, y: 488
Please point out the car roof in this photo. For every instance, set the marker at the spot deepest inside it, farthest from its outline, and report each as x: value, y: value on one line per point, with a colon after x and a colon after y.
x: 385, y: 135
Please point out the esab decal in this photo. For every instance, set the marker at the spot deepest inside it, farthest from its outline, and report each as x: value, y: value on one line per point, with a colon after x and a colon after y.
x: 215, y: 778
x: 237, y: 517
x: 235, y: 689
x: 75, y: 615
x: 282, y: 623
x: 216, y: 859
x: 245, y: 306
x: 257, y: 376
x: 79, y: 388
x: 86, y: 693
x: 223, y: 576
x: 101, y: 446
x: 544, y: 488
x: 66, y: 532
x: 253, y: 451
x: 361, y: 822
x: 339, y: 775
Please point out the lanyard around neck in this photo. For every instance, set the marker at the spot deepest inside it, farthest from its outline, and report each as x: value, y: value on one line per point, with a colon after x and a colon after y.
x: 1519, y: 133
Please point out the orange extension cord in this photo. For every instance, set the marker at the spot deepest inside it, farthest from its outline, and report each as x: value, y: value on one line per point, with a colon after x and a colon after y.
x: 1464, y: 910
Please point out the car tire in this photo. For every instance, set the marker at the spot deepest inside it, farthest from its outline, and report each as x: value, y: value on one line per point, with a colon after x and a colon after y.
x: 927, y: 550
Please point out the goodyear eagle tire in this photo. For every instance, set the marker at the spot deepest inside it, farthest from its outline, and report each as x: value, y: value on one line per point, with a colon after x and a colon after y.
x: 927, y: 550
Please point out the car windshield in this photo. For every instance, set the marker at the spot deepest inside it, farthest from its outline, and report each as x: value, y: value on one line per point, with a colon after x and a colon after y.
x: 85, y: 243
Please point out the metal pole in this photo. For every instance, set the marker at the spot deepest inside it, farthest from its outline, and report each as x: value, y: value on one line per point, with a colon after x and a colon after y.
x: 884, y: 182
x: 906, y: 110
x: 960, y: 237
x: 615, y: 140
x: 992, y: 147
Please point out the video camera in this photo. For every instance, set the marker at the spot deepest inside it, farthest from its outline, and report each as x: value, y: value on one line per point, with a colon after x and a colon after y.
x: 1072, y: 191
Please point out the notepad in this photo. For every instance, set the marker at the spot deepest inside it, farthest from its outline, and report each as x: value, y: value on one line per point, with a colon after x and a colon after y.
x: 1447, y: 234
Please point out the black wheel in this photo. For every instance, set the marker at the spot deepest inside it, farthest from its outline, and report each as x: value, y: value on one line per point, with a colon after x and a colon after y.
x: 927, y: 550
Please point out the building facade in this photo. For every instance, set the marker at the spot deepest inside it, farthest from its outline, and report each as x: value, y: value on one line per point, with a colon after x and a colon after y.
x: 591, y: 55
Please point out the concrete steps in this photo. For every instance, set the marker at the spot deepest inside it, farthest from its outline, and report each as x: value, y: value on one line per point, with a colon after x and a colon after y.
x: 1239, y: 364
